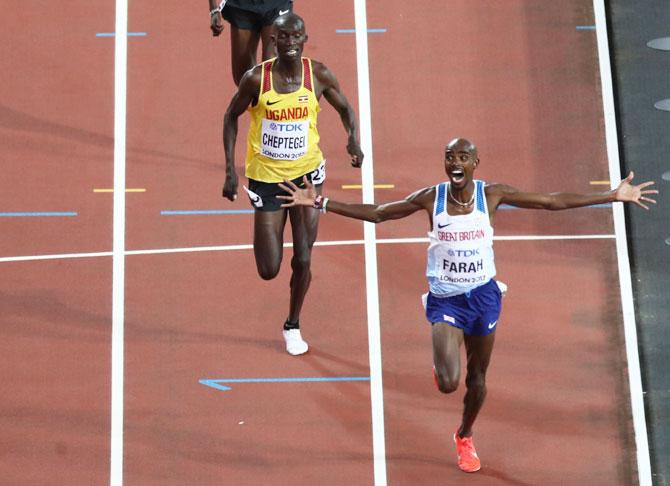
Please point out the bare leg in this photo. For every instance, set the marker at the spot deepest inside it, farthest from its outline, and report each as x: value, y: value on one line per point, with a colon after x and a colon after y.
x: 478, y: 349
x: 268, y: 241
x: 304, y: 227
x: 446, y: 356
x: 267, y: 44
x: 243, y: 46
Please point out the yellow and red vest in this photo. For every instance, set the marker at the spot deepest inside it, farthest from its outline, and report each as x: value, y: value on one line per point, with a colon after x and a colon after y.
x: 283, y: 141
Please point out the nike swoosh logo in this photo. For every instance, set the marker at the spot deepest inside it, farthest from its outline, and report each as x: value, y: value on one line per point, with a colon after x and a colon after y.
x: 269, y: 103
x: 256, y: 201
x: 254, y: 198
x: 283, y: 12
x: 440, y: 226
x: 493, y: 324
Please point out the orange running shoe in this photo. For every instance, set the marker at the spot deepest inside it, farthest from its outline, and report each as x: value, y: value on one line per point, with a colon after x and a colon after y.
x: 468, y: 460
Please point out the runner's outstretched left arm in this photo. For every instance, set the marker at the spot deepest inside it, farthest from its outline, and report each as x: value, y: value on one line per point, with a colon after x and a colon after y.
x: 626, y: 192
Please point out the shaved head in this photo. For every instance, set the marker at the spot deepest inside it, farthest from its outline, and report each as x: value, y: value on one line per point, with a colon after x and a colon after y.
x: 289, y: 20
x: 461, y: 145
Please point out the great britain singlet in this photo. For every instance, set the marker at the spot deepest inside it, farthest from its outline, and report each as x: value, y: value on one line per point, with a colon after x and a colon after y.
x: 283, y: 141
x: 460, y: 254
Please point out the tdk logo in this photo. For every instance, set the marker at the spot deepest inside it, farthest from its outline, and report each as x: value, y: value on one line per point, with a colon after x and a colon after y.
x: 463, y: 253
x: 286, y: 127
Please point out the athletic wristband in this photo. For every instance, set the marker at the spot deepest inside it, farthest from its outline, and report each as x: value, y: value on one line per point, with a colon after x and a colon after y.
x: 318, y: 202
x: 220, y: 7
x: 325, y: 204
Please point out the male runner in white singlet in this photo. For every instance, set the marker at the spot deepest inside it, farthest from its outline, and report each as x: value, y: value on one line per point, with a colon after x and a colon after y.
x: 463, y: 302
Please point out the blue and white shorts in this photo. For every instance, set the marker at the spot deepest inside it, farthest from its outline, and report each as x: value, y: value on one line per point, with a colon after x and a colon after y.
x: 475, y: 312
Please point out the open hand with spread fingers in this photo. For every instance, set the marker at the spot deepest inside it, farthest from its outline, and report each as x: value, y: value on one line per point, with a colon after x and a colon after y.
x: 627, y: 192
x: 297, y: 196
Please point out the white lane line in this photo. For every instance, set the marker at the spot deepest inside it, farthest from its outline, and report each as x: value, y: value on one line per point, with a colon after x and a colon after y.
x: 552, y: 237
x: 195, y: 249
x: 118, y: 248
x: 630, y: 328
x: 55, y: 256
x: 369, y: 232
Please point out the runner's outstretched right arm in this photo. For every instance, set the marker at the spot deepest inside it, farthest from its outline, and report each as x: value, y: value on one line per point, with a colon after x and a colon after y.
x: 375, y: 213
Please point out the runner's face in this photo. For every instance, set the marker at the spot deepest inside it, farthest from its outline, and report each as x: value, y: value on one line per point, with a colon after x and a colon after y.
x: 459, y: 164
x: 290, y: 40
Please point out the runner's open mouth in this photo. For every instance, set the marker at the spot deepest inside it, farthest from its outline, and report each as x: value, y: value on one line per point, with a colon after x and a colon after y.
x: 457, y: 175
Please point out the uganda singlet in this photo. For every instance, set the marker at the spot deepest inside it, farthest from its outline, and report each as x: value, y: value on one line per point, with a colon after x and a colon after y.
x: 283, y: 142
x: 460, y: 255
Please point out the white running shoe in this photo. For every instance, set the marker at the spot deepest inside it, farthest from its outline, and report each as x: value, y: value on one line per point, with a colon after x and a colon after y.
x: 294, y: 342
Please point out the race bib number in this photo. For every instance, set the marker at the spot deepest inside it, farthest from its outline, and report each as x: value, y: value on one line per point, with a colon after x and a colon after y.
x: 318, y: 176
x: 284, y: 140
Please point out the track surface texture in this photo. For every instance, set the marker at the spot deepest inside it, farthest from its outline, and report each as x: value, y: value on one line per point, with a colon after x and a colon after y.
x: 516, y: 77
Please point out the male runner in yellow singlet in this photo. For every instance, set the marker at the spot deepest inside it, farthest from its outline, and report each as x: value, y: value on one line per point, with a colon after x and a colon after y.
x: 282, y: 96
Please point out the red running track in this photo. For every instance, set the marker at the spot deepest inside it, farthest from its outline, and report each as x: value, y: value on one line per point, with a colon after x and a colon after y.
x: 517, y: 78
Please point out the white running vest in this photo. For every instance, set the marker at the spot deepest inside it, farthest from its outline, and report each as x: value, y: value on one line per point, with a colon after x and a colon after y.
x: 460, y: 255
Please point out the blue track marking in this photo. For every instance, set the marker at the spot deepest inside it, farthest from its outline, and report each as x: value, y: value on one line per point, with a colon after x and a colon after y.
x: 353, y: 31
x: 206, y: 211
x: 218, y: 386
x: 586, y: 27
x: 37, y: 214
x: 113, y: 34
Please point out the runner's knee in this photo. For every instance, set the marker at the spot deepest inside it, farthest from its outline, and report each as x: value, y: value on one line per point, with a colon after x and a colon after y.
x: 268, y: 270
x: 445, y: 383
x: 476, y: 382
x: 301, y: 260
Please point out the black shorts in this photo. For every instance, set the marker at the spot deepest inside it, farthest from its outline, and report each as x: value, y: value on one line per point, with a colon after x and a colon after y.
x: 263, y: 195
x: 254, y: 14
